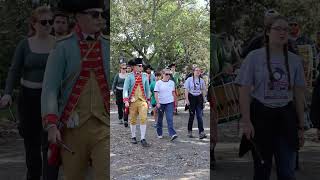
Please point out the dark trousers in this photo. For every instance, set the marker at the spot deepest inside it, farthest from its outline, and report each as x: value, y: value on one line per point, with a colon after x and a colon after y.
x: 196, y: 108
x: 30, y: 128
x: 120, y: 104
x: 35, y: 139
x: 275, y: 136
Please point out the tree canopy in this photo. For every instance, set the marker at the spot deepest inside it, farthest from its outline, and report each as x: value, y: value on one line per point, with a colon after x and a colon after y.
x: 160, y: 31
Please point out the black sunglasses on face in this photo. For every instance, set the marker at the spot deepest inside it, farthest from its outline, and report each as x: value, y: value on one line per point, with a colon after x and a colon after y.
x: 167, y: 74
x: 45, y: 22
x: 293, y: 24
x: 124, y: 68
x: 96, y: 14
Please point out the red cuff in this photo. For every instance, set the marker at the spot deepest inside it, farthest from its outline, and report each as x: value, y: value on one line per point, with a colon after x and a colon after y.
x: 50, y: 119
x: 125, y: 99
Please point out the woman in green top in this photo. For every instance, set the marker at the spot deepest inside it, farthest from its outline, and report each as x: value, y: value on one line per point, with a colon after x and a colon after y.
x: 28, y: 66
x: 117, y: 89
x: 153, y: 99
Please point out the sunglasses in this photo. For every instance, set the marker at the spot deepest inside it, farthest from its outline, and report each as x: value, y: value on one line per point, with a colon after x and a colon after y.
x: 45, y: 22
x: 293, y: 24
x: 124, y: 68
x: 167, y: 74
x: 96, y: 14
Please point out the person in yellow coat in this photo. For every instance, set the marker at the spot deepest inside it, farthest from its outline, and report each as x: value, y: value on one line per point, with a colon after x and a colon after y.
x: 136, y: 95
x: 75, y: 95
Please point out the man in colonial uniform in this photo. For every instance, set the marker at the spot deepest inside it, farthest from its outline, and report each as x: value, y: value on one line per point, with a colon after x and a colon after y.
x: 136, y: 93
x: 75, y: 96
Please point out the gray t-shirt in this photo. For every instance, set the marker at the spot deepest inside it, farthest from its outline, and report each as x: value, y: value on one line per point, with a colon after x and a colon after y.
x: 194, y: 85
x: 254, y: 72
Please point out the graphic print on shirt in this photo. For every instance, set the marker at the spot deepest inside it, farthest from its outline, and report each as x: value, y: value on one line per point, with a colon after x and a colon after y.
x: 277, y: 88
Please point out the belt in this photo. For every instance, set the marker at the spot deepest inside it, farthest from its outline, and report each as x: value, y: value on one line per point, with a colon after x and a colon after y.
x: 30, y: 84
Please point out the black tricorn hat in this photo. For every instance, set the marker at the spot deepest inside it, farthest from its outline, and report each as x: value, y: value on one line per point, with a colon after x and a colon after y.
x: 131, y: 63
x: 74, y: 6
x: 138, y: 61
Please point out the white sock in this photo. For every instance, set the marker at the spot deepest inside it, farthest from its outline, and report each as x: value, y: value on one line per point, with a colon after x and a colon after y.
x: 133, y: 130
x: 143, y: 128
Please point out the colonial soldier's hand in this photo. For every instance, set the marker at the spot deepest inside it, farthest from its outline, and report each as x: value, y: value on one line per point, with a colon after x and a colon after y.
x: 248, y: 130
x: 54, y: 135
x: 126, y: 104
x: 5, y: 101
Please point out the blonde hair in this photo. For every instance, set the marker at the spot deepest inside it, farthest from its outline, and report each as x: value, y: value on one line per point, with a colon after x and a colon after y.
x: 35, y: 15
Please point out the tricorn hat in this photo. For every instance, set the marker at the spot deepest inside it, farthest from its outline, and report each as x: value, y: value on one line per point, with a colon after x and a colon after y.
x: 138, y: 61
x: 74, y: 6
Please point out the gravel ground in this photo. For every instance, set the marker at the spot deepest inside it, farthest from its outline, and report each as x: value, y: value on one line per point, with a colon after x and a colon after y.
x: 185, y: 158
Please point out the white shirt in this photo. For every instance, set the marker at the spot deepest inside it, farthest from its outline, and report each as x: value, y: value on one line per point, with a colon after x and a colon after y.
x: 165, y: 89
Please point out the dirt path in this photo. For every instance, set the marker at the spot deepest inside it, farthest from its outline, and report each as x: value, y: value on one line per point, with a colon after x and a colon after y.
x: 184, y: 158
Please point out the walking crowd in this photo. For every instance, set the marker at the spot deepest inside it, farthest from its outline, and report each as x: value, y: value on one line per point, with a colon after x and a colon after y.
x: 138, y: 88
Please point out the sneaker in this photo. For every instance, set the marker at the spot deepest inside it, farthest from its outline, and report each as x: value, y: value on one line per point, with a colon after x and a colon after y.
x: 120, y: 121
x: 134, y: 140
x: 144, y: 143
x: 202, y: 135
x: 190, y: 134
x: 160, y: 137
x: 125, y: 123
x: 173, y: 137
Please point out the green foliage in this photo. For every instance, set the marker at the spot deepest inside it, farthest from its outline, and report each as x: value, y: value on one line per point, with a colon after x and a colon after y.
x: 243, y: 18
x: 161, y: 31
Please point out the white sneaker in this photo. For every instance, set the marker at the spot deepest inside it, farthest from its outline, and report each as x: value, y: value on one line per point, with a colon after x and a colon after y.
x: 160, y: 137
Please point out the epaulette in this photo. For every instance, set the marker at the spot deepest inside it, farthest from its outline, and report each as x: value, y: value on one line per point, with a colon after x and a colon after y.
x: 106, y: 37
x: 64, y: 37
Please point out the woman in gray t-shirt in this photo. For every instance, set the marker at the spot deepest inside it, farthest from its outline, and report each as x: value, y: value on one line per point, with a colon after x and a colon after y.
x: 270, y: 79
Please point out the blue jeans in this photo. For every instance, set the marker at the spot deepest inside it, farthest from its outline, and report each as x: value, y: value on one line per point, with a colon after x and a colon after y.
x: 168, y: 109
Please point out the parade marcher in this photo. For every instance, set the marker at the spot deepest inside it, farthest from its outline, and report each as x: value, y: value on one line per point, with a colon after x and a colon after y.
x: 195, y: 90
x: 165, y: 94
x: 28, y: 65
x: 60, y: 24
x: 136, y: 93
x: 148, y: 70
x: 297, y: 40
x: 117, y: 89
x: 176, y: 79
x: 153, y: 98
x: 130, y: 66
x: 270, y: 79
x: 75, y: 95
